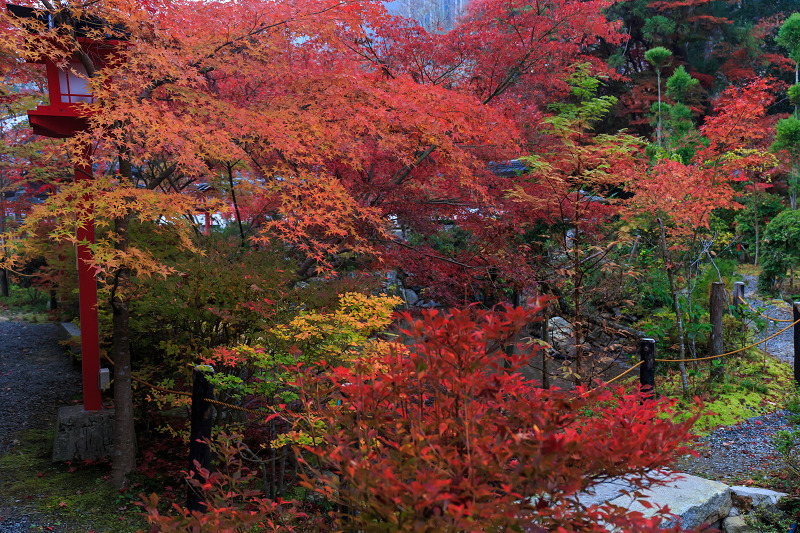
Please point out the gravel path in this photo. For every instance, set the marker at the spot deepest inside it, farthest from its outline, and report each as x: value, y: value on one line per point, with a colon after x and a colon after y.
x: 782, y: 346
x: 36, y: 378
x: 735, y: 452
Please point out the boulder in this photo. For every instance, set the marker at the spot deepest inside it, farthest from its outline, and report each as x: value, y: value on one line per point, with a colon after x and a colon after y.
x: 752, y: 497
x: 562, y: 336
x: 692, y: 500
x: 410, y: 297
x: 735, y: 524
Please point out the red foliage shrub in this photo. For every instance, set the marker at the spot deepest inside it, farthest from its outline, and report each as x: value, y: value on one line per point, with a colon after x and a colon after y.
x: 231, y: 502
x: 443, y: 434
x: 447, y: 436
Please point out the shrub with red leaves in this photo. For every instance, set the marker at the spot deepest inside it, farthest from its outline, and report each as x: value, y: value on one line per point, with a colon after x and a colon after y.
x: 443, y: 434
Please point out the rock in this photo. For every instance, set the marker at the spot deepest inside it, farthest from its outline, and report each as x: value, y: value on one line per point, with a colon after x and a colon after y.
x: 562, y: 336
x: 692, y: 500
x: 410, y: 296
x: 735, y: 524
x: 734, y: 511
x: 326, y: 478
x: 83, y: 435
x: 757, y: 497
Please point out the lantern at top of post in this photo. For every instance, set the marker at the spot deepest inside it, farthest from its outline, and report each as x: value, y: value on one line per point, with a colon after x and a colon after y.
x: 72, y: 85
x: 68, y: 82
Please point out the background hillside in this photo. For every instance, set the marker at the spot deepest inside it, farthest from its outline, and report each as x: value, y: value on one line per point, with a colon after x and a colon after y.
x: 431, y: 14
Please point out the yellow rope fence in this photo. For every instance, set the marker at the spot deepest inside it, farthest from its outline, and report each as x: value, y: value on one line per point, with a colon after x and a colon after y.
x: 765, y: 316
x: 631, y: 369
x: 729, y: 353
x: 637, y: 365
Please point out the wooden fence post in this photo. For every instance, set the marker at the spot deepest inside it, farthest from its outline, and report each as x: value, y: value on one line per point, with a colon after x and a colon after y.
x: 739, y: 302
x: 717, y: 306
x: 738, y: 293
x: 4, y: 288
x: 647, y: 371
x: 796, y: 316
x: 199, y: 451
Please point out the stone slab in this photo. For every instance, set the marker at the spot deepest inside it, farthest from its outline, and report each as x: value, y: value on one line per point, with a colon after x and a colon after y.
x: 71, y: 329
x: 83, y: 435
x: 694, y: 501
x: 605, y: 492
x: 758, y: 497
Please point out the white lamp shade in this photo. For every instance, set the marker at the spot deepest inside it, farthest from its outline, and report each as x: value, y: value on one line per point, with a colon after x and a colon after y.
x: 73, y: 84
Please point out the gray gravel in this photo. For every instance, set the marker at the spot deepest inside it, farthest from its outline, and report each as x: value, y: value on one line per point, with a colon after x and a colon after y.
x: 782, y: 346
x: 36, y: 378
x: 736, y: 452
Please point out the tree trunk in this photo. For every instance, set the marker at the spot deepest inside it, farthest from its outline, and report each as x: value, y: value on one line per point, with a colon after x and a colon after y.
x: 545, y: 353
x: 658, y: 133
x: 4, y: 288
x: 124, y: 432
x: 677, y: 307
x: 755, y: 220
x: 583, y: 370
x: 512, y: 343
x: 242, y: 239
x: 793, y: 184
x: 717, y: 305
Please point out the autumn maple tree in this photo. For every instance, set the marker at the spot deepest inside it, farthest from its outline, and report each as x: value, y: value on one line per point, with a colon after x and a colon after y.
x: 332, y: 120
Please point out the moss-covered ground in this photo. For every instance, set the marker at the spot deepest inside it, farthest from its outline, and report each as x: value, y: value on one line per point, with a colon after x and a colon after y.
x: 72, y: 498
x: 752, y: 384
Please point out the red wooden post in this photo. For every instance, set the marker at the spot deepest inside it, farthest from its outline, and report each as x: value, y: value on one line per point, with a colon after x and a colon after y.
x: 87, y: 284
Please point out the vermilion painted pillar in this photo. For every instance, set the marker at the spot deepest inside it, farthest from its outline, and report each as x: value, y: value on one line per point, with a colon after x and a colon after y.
x: 87, y: 286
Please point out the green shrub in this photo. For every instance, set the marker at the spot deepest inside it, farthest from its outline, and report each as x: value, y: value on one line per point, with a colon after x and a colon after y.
x: 768, y: 207
x: 781, y: 249
x: 793, y: 408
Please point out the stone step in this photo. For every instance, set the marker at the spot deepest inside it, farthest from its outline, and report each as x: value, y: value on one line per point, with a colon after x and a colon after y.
x: 693, y: 501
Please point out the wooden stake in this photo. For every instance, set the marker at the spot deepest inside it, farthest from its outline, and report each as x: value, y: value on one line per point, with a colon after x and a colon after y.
x: 738, y: 293
x: 647, y: 371
x: 199, y: 451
